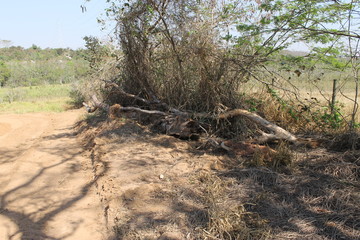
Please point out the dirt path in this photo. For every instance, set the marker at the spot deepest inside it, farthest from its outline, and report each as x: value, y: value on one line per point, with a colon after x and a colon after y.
x: 46, y: 185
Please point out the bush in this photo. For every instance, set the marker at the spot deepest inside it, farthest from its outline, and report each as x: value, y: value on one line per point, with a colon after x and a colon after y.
x: 4, y: 74
x: 77, y: 97
x: 184, y: 61
x: 13, y: 94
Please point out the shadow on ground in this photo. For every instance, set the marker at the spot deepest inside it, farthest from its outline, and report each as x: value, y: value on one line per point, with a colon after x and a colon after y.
x: 156, y: 184
x: 30, y: 224
x: 318, y: 200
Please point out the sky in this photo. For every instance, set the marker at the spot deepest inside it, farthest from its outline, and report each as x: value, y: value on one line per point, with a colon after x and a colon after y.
x: 50, y: 23
x: 55, y: 23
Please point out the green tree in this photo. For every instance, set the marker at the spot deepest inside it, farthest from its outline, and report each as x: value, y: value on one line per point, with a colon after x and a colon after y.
x: 330, y: 29
x: 95, y: 51
x: 4, y: 74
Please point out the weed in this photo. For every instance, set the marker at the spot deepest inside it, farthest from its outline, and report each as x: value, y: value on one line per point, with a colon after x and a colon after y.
x: 13, y: 94
x: 283, y: 157
x: 329, y: 119
x: 257, y: 159
x: 77, y: 97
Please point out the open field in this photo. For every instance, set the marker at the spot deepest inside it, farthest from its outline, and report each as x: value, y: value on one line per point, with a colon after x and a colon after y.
x: 46, y: 98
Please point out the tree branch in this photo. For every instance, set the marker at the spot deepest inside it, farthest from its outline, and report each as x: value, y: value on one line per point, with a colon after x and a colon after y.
x: 278, y: 132
x: 336, y: 33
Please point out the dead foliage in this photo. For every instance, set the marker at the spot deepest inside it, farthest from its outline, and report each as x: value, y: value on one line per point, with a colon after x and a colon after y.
x: 345, y: 141
x: 256, y: 155
x: 315, y: 200
x: 228, y: 218
x: 283, y: 157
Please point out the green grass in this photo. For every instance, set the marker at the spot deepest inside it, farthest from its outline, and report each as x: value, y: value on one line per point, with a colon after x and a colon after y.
x: 46, y: 98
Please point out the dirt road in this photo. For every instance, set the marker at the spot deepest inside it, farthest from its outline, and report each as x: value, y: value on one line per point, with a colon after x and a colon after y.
x: 46, y: 185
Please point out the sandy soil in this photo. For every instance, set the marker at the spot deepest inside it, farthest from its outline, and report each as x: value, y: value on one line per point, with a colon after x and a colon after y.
x: 146, y: 180
x: 46, y: 184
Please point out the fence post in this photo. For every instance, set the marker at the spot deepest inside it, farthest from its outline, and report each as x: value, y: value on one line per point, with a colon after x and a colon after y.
x: 333, y: 98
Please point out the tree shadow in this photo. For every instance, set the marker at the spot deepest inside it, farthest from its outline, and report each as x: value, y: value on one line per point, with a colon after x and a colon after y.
x: 300, y: 202
x: 183, y: 213
x: 32, y: 225
x: 309, y: 202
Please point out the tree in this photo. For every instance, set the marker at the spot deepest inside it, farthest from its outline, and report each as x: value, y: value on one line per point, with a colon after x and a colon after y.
x: 35, y: 47
x: 197, y: 55
x: 4, y: 74
x: 95, y: 51
x: 330, y: 28
x: 5, y: 43
x: 178, y: 51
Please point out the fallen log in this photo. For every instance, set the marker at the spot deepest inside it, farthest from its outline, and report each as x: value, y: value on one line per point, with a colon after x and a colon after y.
x: 178, y: 123
x: 121, y: 91
x: 278, y: 133
x: 170, y: 124
x: 116, y: 109
x: 120, y: 109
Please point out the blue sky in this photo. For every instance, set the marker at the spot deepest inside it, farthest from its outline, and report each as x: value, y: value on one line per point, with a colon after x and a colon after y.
x: 50, y: 23
x: 54, y: 23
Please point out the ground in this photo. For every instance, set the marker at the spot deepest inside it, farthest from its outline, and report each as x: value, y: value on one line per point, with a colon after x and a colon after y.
x: 155, y: 185
x: 46, y: 186
x: 116, y: 179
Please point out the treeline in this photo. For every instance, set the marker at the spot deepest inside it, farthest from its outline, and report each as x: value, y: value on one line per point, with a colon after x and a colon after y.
x: 36, y: 66
x: 36, y: 53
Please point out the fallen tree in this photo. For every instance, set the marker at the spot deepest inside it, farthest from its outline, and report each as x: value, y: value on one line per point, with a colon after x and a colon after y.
x: 178, y: 123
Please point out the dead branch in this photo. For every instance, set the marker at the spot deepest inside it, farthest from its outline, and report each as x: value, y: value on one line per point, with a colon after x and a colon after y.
x: 146, y: 102
x: 143, y: 111
x: 179, y: 125
x: 116, y: 110
x: 121, y: 91
x: 96, y: 104
x: 278, y: 133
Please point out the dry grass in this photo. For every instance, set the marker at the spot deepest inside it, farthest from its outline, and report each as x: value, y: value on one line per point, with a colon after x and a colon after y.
x: 301, y: 103
x: 301, y: 114
x: 316, y: 199
x: 283, y: 157
x: 228, y: 218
